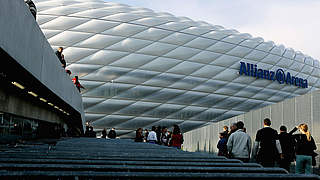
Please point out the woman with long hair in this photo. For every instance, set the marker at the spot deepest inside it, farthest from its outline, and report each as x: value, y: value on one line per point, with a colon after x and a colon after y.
x: 305, y: 147
x: 176, y: 138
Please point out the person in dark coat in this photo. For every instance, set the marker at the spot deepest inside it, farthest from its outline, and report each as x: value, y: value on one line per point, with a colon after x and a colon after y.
x: 68, y: 72
x: 104, y: 133
x: 267, y: 148
x: 164, y: 136
x: 139, y: 135
x: 146, y: 134
x: 287, y: 146
x: 159, y: 133
x: 91, y: 132
x: 112, y: 134
x: 226, y: 130
x: 86, y: 134
x: 61, y: 57
x: 222, y: 144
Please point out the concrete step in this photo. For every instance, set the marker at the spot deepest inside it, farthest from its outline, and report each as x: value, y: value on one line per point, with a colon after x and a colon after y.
x: 126, y: 162
x: 89, y: 175
x: 110, y: 155
x: 120, y: 158
x: 141, y: 168
x: 90, y: 158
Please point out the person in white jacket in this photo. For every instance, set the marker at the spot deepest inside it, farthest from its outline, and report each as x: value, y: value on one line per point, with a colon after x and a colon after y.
x: 152, y: 137
x: 239, y: 144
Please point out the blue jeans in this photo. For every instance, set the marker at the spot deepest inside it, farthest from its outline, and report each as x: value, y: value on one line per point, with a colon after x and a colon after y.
x: 303, y: 164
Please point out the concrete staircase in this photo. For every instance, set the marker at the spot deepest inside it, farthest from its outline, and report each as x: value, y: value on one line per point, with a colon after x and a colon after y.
x: 90, y: 158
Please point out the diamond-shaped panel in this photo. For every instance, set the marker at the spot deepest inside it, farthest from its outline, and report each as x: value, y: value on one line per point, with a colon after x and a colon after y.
x: 142, y: 68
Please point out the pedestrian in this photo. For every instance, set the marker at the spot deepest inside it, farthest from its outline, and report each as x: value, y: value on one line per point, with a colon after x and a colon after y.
x: 152, y: 136
x: 176, y: 138
x: 68, y: 72
x: 77, y: 83
x: 86, y: 134
x: 225, y: 130
x: 164, y: 136
x: 267, y: 148
x: 92, y: 133
x: 233, y: 128
x: 146, y: 134
x: 239, y: 144
x: 112, y: 134
x: 169, y: 135
x: 305, y: 147
x: 104, y: 133
x: 287, y: 146
x: 139, y: 136
x: 32, y: 8
x: 61, y: 57
x: 222, y: 144
x: 158, y: 132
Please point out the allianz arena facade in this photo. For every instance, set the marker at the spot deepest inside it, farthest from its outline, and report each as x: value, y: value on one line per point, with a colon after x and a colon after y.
x: 142, y: 68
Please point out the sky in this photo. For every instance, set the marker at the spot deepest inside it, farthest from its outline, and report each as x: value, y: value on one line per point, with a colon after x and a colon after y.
x: 293, y: 23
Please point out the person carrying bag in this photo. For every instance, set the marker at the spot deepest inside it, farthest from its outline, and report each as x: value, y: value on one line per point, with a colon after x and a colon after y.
x: 305, y: 146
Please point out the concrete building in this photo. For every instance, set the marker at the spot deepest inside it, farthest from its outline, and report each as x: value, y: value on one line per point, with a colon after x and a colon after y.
x: 143, y: 68
x: 37, y: 97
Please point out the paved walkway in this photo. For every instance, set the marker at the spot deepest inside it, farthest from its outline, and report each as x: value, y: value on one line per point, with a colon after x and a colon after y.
x: 90, y: 158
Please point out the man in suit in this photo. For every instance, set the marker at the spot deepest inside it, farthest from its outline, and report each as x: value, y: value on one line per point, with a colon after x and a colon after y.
x: 267, y: 148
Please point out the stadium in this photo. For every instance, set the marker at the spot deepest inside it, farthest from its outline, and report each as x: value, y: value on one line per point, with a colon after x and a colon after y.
x: 143, y: 68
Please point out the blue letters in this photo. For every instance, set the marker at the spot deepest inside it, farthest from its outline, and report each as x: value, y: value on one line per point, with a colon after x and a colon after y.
x: 243, y: 68
x: 288, y: 79
x: 260, y: 73
x: 252, y: 70
x: 266, y: 74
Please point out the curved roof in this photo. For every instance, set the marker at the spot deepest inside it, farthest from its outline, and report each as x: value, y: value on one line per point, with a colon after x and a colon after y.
x: 143, y: 68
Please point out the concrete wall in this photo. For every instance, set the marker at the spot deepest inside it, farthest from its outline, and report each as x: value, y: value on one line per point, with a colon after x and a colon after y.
x: 291, y: 112
x: 22, y: 39
x: 10, y: 103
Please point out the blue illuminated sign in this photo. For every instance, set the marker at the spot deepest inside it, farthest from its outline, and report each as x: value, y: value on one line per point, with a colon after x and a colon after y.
x: 279, y: 75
